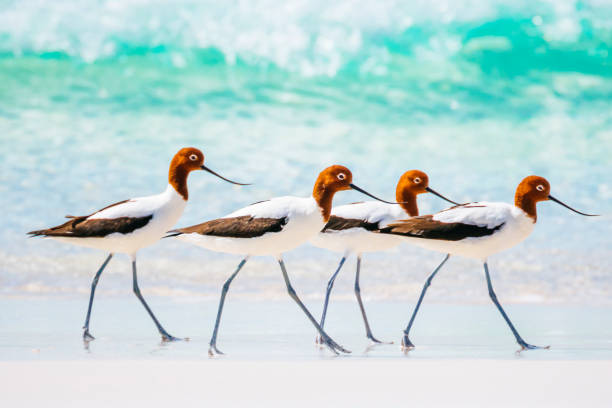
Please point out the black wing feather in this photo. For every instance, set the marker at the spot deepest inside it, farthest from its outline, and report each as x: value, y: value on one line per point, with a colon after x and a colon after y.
x: 244, y: 226
x: 336, y: 223
x: 428, y: 228
x: 82, y: 227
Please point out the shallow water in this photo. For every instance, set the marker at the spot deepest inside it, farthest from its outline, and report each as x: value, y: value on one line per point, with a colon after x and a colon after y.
x: 49, y: 329
x: 97, y: 96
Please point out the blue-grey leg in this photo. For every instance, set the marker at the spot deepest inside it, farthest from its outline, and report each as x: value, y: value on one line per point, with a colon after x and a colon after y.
x: 332, y: 345
x: 162, y: 331
x: 406, y: 343
x: 524, y: 345
x: 86, y: 335
x: 330, y: 286
x: 363, y: 312
x: 213, y: 341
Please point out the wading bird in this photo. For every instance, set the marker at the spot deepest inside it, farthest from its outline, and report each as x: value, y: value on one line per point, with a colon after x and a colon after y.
x: 352, y: 229
x: 477, y: 230
x: 271, y: 228
x: 127, y: 226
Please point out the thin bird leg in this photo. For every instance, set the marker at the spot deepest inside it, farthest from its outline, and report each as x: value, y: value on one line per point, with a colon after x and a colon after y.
x: 212, y: 350
x: 332, y: 345
x: 524, y: 345
x: 363, y: 312
x: 330, y: 286
x: 162, y: 331
x: 406, y: 343
x: 86, y: 335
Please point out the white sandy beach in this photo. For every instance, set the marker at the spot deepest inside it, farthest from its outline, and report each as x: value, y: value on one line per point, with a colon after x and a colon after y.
x: 336, y: 382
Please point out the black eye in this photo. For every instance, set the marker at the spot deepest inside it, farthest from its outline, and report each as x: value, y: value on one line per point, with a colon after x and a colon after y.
x: 193, y: 157
x: 540, y: 187
x: 341, y: 176
x: 416, y: 180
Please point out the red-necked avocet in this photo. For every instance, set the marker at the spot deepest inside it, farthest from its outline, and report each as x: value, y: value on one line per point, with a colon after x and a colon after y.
x: 351, y: 230
x: 271, y: 228
x: 127, y: 226
x: 477, y: 230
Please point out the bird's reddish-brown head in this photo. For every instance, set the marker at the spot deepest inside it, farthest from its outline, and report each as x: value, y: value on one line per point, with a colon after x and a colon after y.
x: 184, y: 162
x: 334, y: 178
x: 411, y: 184
x: 534, y: 189
x: 529, y: 192
x: 188, y: 159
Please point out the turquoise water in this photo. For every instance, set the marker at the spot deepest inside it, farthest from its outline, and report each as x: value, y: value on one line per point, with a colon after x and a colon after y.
x: 96, y: 96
